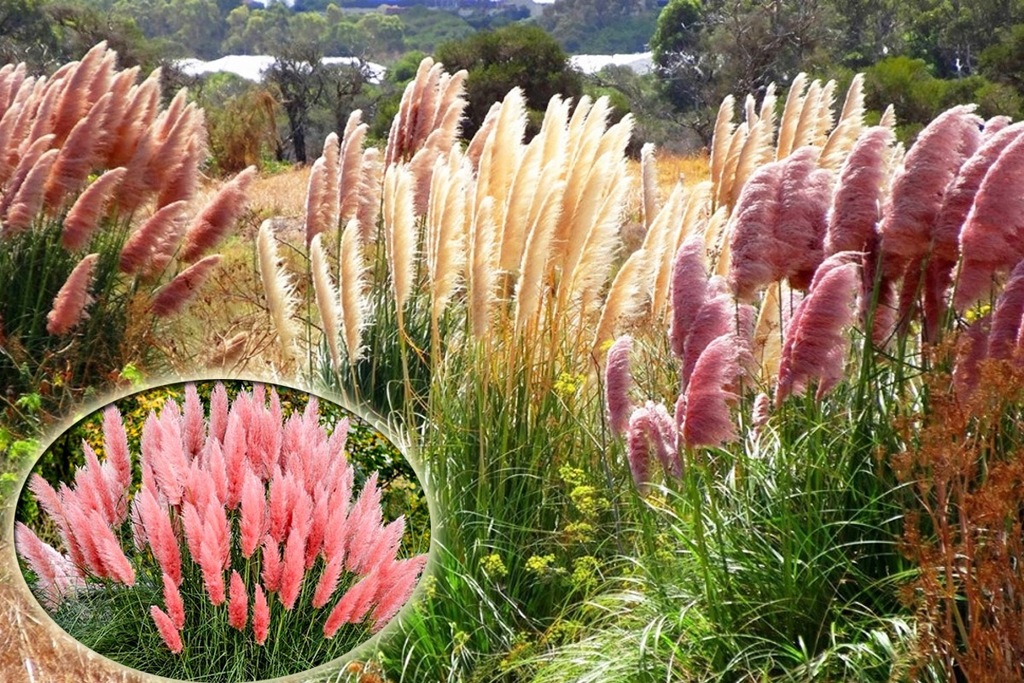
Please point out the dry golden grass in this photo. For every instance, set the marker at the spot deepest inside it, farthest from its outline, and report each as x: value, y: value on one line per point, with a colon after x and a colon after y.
x: 692, y: 168
x: 281, y: 194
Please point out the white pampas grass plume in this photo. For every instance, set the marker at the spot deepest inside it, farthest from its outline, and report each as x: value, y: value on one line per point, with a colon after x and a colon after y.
x: 331, y: 206
x: 316, y: 195
x: 536, y: 256
x: 625, y: 298
x: 351, y: 162
x: 85, y: 213
x: 849, y: 128
x: 352, y: 304
x: 482, y: 267
x: 648, y: 184
x: 791, y: 116
x: 70, y: 303
x: 326, y: 298
x: 177, y: 293
x: 400, y: 233
x: 446, y: 228
x: 279, y: 289
x: 370, y: 190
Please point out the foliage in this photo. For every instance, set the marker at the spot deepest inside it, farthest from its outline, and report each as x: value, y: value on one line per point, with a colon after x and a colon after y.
x: 600, y: 26
x: 516, y: 55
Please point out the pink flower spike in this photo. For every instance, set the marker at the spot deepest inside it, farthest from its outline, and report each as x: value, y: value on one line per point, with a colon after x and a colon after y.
x: 115, y: 446
x: 194, y: 432
x: 293, y: 568
x: 234, y: 458
x: 260, y: 616
x: 218, y: 412
x: 213, y: 573
x: 176, y: 294
x: 84, y: 216
x: 271, y: 572
x: 117, y: 565
x: 215, y: 465
x: 328, y: 583
x: 33, y: 551
x: 617, y: 382
x: 238, y: 605
x: 71, y: 301
x: 253, y: 525
x: 171, y: 636
x: 394, y: 592
x: 1007, y: 316
x: 354, y: 605
x: 708, y: 395
x: 160, y: 534
x: 172, y: 600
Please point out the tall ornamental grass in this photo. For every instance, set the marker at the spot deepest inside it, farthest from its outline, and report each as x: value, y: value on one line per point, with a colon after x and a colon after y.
x: 100, y: 236
x: 249, y: 551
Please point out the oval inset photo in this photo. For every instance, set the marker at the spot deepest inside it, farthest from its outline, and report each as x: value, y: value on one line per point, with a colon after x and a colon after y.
x: 223, y: 531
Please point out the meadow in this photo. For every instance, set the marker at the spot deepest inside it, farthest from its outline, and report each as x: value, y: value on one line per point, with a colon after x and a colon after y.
x: 747, y: 416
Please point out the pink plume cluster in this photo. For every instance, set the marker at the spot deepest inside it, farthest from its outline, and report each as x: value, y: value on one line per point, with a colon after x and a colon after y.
x: 71, y: 301
x: 779, y: 224
x: 815, y: 344
x: 617, y: 382
x: 857, y: 203
x: 218, y: 488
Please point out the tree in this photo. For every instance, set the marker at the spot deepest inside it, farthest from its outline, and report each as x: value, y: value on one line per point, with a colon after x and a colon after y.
x: 297, y: 75
x: 497, y: 61
x: 27, y: 33
x: 593, y: 25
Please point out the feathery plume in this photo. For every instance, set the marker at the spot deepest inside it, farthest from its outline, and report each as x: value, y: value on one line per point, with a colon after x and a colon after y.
x: 238, y: 602
x: 70, y: 303
x: 722, y: 137
x: 316, y: 195
x: 279, y: 290
x: 173, y: 602
x: 27, y: 202
x: 991, y: 237
x: 77, y: 155
x: 327, y: 298
x: 176, y: 294
x: 618, y: 381
x: 856, y: 204
x: 395, y: 589
x: 753, y: 243
x: 815, y: 344
x: 217, y: 217
x: 791, y: 116
x: 400, y: 233
x: 141, y: 244
x: 706, y: 420
x: 648, y: 184
x: 260, y: 615
x: 164, y: 624
x: 849, y: 128
x: 1007, y: 315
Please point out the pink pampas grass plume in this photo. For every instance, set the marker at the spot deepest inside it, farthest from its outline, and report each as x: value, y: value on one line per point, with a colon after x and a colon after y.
x: 160, y: 534
x: 70, y: 303
x: 260, y: 615
x: 689, y: 291
x: 816, y: 344
x: 28, y: 200
x: 141, y: 244
x: 967, y: 370
x: 316, y: 195
x: 706, y: 421
x: 659, y: 429
x: 991, y: 237
x: 218, y: 412
x: 212, y: 566
x: 354, y: 605
x: 238, y: 603
x: 194, y: 427
x: 638, y: 449
x: 235, y: 458
x: 114, y: 560
x: 77, y: 154
x: 805, y: 195
x: 176, y: 294
x: 617, y: 382
x: 1006, y: 316
x: 253, y: 525
x: 918, y: 190
x: 717, y: 316
x: 40, y: 561
x: 328, y: 582
x: 173, y: 602
x: 271, y: 565
x: 292, y: 568
x: 164, y: 624
x: 395, y: 590
x: 752, y: 241
x: 85, y: 214
x: 115, y: 446
x: 217, y: 217
x: 856, y: 204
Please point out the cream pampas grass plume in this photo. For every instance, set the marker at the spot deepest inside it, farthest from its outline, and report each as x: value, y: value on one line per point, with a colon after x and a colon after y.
x: 350, y: 171
x: 279, y: 290
x: 816, y: 343
x: 483, y: 250
x: 990, y: 241
x: 447, y: 218
x: 848, y: 130
x: 536, y: 256
x: 400, y: 234
x: 176, y: 294
x: 648, y: 184
x: 72, y: 299
x: 722, y: 136
x: 87, y: 210
x: 625, y: 298
x: 352, y: 299
x: 217, y: 217
x: 316, y: 198
x: 791, y: 116
x: 327, y: 301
